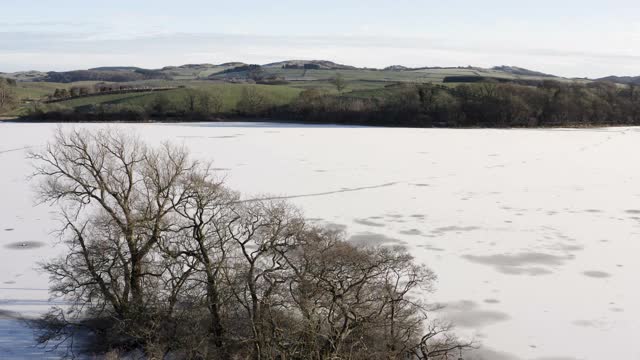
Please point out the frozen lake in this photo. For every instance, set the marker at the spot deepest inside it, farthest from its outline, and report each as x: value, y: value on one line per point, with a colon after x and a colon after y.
x: 534, y: 234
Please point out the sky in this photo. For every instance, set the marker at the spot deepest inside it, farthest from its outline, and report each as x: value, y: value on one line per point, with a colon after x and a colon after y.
x: 564, y: 37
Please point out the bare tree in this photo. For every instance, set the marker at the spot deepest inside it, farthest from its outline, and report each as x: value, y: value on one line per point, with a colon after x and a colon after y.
x: 263, y: 232
x: 210, y: 102
x: 339, y: 82
x: 116, y: 196
x: 252, y: 101
x: 206, y: 224
x: 190, y: 100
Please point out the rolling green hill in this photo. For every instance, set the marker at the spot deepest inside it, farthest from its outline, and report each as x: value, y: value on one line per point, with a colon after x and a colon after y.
x: 278, y: 83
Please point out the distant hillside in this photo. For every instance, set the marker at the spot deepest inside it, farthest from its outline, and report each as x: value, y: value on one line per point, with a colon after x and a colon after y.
x: 117, y: 75
x: 116, y: 68
x: 288, y: 70
x: 190, y: 67
x: 520, y: 71
x: 635, y: 80
x: 319, y: 64
x: 25, y: 75
x: 232, y: 64
x: 396, y: 68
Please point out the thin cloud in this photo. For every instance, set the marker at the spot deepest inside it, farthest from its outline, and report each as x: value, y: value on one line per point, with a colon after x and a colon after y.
x: 70, y: 50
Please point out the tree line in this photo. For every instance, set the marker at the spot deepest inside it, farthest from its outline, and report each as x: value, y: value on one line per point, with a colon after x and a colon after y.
x: 548, y: 103
x: 164, y: 259
x: 99, y: 89
x: 488, y: 104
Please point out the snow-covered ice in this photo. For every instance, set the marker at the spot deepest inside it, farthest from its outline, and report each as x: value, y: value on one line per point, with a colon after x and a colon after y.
x: 534, y: 234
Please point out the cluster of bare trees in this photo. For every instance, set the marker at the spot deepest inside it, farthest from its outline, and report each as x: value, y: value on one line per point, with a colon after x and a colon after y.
x: 164, y: 258
x: 8, y: 98
x: 253, y: 102
x: 203, y: 101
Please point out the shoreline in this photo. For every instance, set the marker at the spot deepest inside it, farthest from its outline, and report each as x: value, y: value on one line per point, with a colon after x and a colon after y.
x: 17, y: 119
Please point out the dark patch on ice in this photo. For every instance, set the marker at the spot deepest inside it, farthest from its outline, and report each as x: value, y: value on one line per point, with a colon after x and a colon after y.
x: 593, y: 211
x: 24, y: 245
x: 596, y: 274
x: 632, y: 211
x: 589, y: 323
x: 335, y: 226
x: 368, y: 223
x: 10, y: 282
x: 394, y: 216
x: 411, y: 232
x: 458, y: 229
x: 418, y: 216
x: 9, y: 229
x: 221, y: 169
x: 525, y: 263
x: 9, y: 315
x: 431, y: 247
x: 421, y: 185
x: 491, y: 301
x: 225, y: 136
x: 373, y: 239
x: 485, y: 353
x: 571, y: 247
x: 466, y: 313
x: 190, y: 137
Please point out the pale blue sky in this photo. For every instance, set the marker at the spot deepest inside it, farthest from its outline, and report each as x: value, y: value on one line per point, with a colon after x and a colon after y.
x: 571, y: 38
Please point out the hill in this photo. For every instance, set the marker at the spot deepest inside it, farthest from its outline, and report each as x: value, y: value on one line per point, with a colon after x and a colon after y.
x: 315, y: 64
x: 520, y: 71
x: 118, y: 75
x: 116, y: 68
x: 396, y: 68
x: 289, y: 70
x: 634, y: 80
x: 25, y: 75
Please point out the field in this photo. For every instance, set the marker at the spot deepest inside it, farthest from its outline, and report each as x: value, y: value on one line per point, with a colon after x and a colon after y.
x: 230, y: 95
x: 213, y: 78
x: 532, y: 233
